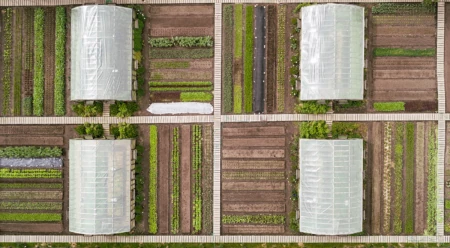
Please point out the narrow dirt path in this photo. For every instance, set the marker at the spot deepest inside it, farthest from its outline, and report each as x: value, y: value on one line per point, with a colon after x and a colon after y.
x: 163, y: 179
x: 376, y: 136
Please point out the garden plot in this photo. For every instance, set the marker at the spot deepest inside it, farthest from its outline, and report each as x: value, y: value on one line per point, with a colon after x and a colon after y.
x: 447, y: 180
x: 180, y: 49
x: 255, y: 58
x: 401, y: 187
x: 31, y: 191
x: 254, y: 192
x: 33, y: 84
x: 404, y: 60
x: 180, y: 176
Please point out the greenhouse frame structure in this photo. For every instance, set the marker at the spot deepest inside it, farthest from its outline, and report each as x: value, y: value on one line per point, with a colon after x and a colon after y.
x: 101, y: 186
x: 101, y: 51
x: 331, y: 186
x: 332, y: 52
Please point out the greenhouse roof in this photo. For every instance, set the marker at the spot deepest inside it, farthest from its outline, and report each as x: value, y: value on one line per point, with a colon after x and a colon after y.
x: 101, y: 63
x: 99, y: 186
x: 332, y: 52
x: 331, y: 186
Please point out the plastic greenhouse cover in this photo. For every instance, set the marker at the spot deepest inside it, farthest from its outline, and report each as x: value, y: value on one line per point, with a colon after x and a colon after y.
x: 180, y: 108
x: 332, y: 52
x: 331, y: 186
x: 101, y: 51
x: 31, y: 162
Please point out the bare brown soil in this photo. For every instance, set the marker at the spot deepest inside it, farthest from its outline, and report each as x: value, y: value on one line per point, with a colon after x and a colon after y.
x: 163, y: 179
x: 32, y: 130
x: 32, y: 141
x: 404, y: 95
x: 250, y: 207
x: 402, y: 41
x: 404, y: 63
x: 233, y: 185
x: 376, y: 146
x: 252, y: 142
x: 185, y: 177
x: 403, y: 30
x: 49, y: 63
x: 254, y: 131
x: 252, y: 164
x: 271, y: 72
x: 253, y: 196
x: 260, y: 153
x: 169, y: 22
x: 421, y: 106
x: 405, y: 84
x: 165, y: 96
x: 419, y: 218
x: 447, y: 57
x: 196, y: 64
x: 396, y: 74
x: 31, y: 227
x: 252, y: 229
x: 188, y: 31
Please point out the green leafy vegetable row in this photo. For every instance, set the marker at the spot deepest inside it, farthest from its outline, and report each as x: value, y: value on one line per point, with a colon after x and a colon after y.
x: 38, y: 76
x: 228, y: 59
x: 30, y: 217
x: 203, y: 41
x: 197, y: 170
x: 196, y: 96
x: 169, y: 64
x: 389, y: 106
x: 30, y: 173
x: 60, y: 62
x: 432, y: 186
x: 179, y: 84
x: 183, y: 89
x: 248, y: 60
x: 386, y: 52
x: 281, y: 53
x: 30, y: 152
x: 398, y: 177
x: 253, y: 219
x: 153, y: 181
x: 15, y: 205
x: 7, y: 60
x: 175, y: 164
x: 198, y: 53
x: 409, y: 200
x: 31, y: 186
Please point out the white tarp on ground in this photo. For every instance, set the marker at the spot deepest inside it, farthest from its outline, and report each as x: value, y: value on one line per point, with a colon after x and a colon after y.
x: 331, y: 186
x: 31, y: 162
x: 332, y: 52
x: 99, y: 186
x: 101, y: 63
x: 180, y: 108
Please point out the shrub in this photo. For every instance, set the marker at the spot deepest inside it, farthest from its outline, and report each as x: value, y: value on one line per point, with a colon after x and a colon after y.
x: 350, y: 129
x: 228, y: 59
x: 124, y: 131
x: 248, y: 60
x: 389, y: 106
x: 153, y: 181
x: 83, y: 110
x: 196, y: 96
x: 123, y: 109
x: 311, y: 107
x: 30, y: 152
x: 60, y: 62
x: 96, y: 130
x: 38, y: 76
x: 314, y: 130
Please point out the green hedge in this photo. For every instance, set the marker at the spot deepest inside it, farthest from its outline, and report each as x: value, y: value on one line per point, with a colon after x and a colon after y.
x: 386, y: 52
x: 202, y: 41
x: 30, y: 217
x: 254, y: 219
x: 153, y: 181
x: 196, y: 96
x: 228, y: 59
x: 198, y: 53
x: 238, y: 31
x: 7, y: 60
x: 179, y: 84
x: 30, y: 152
x: 409, y: 199
x: 60, y: 62
x: 248, y: 60
x: 389, y: 106
x: 38, y: 76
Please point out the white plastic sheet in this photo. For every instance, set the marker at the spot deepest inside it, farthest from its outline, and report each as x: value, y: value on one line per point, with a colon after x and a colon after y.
x: 101, y: 64
x: 31, y: 162
x: 331, y: 186
x: 99, y: 186
x: 332, y: 52
x: 180, y: 108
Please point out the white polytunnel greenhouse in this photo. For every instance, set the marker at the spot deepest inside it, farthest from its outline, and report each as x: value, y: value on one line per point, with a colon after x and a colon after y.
x: 332, y: 52
x: 100, y: 186
x: 331, y: 186
x: 101, y: 53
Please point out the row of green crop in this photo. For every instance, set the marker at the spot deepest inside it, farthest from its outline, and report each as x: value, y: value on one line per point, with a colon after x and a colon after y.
x: 180, y: 84
x: 175, y: 164
x: 16, y: 205
x: 30, y: 152
x: 30, y: 173
x: 60, y: 62
x: 31, y: 186
x: 402, y: 8
x: 169, y: 64
x: 7, y: 60
x: 389, y: 106
x: 248, y: 60
x: 253, y: 219
x: 432, y: 187
x: 202, y: 41
x: 196, y: 96
x: 153, y: 181
x: 198, y: 53
x: 183, y: 89
x: 31, y: 195
x: 38, y: 75
x: 409, y: 199
x: 281, y: 53
x: 197, y: 170
x: 398, y: 177
x: 402, y: 52
x: 228, y: 59
x: 238, y: 25
x: 17, y: 64
x: 30, y: 217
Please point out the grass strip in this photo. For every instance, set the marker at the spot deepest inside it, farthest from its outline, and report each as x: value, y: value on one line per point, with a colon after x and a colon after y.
x: 169, y: 65
x: 248, y: 60
x: 18, y: 64
x: 30, y: 217
x: 237, y: 99
x: 196, y: 96
x: 38, y: 75
x: 401, y: 52
x: 175, y: 163
x: 15, y: 205
x: 30, y: 173
x: 153, y: 181
x: 281, y: 53
x: 31, y: 186
x: 228, y: 59
x: 409, y: 200
x: 7, y: 59
x: 254, y: 219
x: 432, y: 187
x: 161, y: 53
x: 389, y: 106
x: 238, y: 31
x: 197, y: 170
x: 398, y: 177
x: 60, y: 62
x: 173, y: 84
x: 183, y: 89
